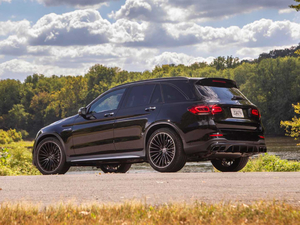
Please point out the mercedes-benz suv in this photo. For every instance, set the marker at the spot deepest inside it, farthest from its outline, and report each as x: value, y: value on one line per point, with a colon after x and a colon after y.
x: 165, y: 122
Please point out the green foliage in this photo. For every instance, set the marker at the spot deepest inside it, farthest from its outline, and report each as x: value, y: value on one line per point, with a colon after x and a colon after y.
x: 4, y: 155
x: 16, y: 159
x: 271, y: 163
x: 7, y: 137
x: 292, y: 127
x: 297, y: 7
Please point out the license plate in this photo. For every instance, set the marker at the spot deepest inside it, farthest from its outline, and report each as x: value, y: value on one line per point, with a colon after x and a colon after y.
x: 237, y: 113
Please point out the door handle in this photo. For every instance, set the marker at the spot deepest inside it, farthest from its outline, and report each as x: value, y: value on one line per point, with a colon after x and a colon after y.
x: 150, y: 108
x: 108, y: 114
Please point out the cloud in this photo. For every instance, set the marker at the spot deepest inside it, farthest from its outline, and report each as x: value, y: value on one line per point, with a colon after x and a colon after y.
x: 5, y: 1
x: 251, y: 53
x: 13, y: 46
x: 74, y: 3
x: 19, y: 69
x: 18, y: 27
x: 199, y: 10
x: 289, y: 10
x: 83, y: 27
x: 175, y: 58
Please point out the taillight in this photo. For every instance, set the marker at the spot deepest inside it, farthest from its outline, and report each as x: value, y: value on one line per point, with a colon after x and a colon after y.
x: 262, y: 137
x: 216, y: 135
x: 255, y: 112
x: 216, y: 109
x: 205, y: 110
x: 200, y: 109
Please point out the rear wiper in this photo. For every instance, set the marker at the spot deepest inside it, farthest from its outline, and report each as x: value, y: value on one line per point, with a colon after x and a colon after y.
x: 237, y: 98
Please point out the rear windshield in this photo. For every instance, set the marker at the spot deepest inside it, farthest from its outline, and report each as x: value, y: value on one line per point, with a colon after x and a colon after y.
x: 220, y: 93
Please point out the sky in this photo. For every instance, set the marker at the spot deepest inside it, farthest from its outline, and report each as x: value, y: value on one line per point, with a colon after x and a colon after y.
x: 67, y: 37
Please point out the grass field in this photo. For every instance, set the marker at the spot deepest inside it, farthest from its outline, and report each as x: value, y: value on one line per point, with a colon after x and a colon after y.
x: 137, y: 213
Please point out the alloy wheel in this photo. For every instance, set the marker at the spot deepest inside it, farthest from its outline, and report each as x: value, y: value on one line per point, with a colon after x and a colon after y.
x: 49, y: 156
x: 162, y: 150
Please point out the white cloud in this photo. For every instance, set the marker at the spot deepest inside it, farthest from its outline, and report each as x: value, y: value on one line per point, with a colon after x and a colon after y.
x: 19, y: 69
x: 282, y: 11
x: 75, y: 3
x: 176, y: 58
x: 4, y: 1
x: 83, y: 27
x: 13, y: 46
x: 187, y: 10
x: 251, y: 53
x: 18, y: 27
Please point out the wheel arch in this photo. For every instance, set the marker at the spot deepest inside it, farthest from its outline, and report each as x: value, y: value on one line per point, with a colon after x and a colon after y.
x: 159, y: 125
x: 47, y: 135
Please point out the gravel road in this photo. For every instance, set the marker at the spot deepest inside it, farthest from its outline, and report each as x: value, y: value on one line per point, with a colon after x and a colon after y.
x: 154, y: 188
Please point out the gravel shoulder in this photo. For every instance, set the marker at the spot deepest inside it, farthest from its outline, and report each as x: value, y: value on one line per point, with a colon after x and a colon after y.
x: 152, y: 188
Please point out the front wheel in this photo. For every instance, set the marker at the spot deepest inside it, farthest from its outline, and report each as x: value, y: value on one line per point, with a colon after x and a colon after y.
x: 165, y: 151
x: 230, y: 165
x: 115, y: 168
x: 50, y: 157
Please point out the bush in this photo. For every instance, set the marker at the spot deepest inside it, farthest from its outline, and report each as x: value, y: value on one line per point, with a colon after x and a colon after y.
x: 271, y: 163
x: 7, y: 137
x: 16, y: 159
x: 4, y: 138
x: 14, y: 135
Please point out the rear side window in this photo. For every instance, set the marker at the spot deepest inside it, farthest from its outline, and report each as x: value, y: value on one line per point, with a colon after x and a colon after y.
x: 156, y: 97
x: 139, y: 95
x: 171, y: 94
x: 220, y: 93
x: 187, y: 88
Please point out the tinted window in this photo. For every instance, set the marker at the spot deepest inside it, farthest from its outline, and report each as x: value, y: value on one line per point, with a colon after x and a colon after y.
x: 187, y: 88
x: 139, y: 95
x: 108, y: 102
x: 156, y: 97
x: 171, y: 94
x: 220, y: 93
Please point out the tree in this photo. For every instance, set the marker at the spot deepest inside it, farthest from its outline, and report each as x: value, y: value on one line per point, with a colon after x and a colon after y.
x: 17, y: 117
x: 297, y: 7
x: 292, y: 127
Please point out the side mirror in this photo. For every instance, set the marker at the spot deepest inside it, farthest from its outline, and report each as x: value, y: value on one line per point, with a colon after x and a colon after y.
x: 82, y: 111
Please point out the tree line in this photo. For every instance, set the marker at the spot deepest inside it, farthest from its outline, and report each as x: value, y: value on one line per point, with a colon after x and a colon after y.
x: 273, y: 84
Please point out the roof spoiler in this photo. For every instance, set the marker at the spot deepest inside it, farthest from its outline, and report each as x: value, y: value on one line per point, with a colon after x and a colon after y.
x: 217, y: 82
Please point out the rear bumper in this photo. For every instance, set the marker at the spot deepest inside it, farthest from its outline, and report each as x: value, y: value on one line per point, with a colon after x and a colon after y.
x: 222, y: 147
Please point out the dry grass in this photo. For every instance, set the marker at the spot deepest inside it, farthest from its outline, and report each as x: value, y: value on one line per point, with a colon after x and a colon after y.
x: 137, y: 213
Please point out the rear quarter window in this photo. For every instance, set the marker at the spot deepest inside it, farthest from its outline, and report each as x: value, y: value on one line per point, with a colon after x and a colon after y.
x: 187, y: 88
x: 171, y: 94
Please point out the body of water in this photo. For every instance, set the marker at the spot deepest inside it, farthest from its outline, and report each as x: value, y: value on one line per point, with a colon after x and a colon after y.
x: 285, y: 147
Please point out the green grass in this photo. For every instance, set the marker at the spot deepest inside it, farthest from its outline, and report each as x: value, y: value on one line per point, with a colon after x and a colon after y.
x: 138, y: 213
x: 271, y: 163
x: 19, y: 159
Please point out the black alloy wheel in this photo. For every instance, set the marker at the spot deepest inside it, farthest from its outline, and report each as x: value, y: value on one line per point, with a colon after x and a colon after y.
x: 50, y: 158
x: 165, y: 152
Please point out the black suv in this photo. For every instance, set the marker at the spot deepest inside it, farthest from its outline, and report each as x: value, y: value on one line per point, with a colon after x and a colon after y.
x: 165, y: 122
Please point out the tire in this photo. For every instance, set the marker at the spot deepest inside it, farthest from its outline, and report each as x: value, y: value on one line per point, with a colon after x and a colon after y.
x: 50, y: 157
x: 115, y: 168
x: 165, y: 151
x: 230, y: 165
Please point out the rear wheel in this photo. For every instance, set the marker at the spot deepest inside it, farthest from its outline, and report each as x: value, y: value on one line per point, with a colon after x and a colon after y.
x: 50, y: 157
x: 230, y: 165
x: 165, y: 151
x: 115, y: 168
